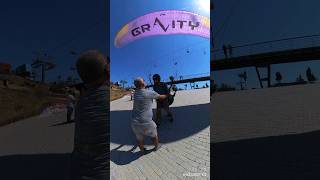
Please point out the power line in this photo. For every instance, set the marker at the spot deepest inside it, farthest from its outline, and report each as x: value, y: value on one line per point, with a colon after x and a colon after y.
x: 271, y: 41
x: 101, y: 21
x: 173, y: 53
x: 226, y: 21
x: 71, y: 40
x: 180, y: 49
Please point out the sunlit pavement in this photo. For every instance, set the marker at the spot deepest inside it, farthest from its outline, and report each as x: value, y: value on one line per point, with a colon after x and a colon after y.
x: 185, y: 153
x: 40, y: 147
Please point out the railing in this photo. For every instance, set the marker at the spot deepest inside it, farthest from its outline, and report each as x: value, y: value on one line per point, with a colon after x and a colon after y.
x: 187, y: 79
x: 269, y: 46
x: 190, y: 76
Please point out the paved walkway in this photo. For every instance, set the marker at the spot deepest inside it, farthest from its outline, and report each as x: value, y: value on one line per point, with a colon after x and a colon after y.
x: 36, y: 148
x: 265, y: 112
x: 40, y: 147
x: 185, y: 153
x: 267, y: 133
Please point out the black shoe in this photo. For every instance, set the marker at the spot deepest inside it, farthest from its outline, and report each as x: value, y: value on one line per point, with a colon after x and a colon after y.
x: 158, y: 124
x: 144, y: 151
x: 157, y: 148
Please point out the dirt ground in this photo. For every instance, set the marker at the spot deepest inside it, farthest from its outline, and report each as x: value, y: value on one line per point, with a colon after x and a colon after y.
x: 24, y: 98
x: 21, y: 104
x: 117, y: 93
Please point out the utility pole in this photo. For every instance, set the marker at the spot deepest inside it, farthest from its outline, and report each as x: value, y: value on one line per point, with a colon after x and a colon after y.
x: 73, y: 69
x: 211, y: 36
x: 42, y: 61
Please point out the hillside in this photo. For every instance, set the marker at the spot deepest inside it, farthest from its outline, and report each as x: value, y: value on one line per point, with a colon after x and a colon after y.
x: 24, y: 98
x: 117, y: 92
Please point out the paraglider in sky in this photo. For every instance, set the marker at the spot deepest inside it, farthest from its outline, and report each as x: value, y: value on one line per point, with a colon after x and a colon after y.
x: 163, y: 23
x: 73, y: 52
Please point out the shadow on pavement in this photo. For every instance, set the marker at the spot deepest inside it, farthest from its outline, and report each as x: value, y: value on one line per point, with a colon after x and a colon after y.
x: 35, y: 167
x: 126, y: 157
x: 281, y: 157
x: 63, y: 123
x: 188, y: 120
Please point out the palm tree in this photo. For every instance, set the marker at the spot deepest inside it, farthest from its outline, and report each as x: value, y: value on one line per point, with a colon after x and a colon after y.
x: 171, y: 78
x: 69, y: 80
x: 310, y: 75
x: 150, y: 78
x: 278, y: 77
x: 299, y: 79
x: 123, y: 82
x: 241, y: 81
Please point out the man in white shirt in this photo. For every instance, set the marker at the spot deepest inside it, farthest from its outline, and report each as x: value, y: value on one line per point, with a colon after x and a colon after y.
x: 71, y: 101
x: 142, y: 123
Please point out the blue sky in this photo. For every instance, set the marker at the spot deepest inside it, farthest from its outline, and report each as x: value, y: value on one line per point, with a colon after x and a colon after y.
x: 54, y: 27
x: 157, y: 54
x: 255, y: 21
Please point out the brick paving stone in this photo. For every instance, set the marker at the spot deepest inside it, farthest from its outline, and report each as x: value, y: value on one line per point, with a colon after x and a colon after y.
x: 175, y: 158
x: 279, y: 126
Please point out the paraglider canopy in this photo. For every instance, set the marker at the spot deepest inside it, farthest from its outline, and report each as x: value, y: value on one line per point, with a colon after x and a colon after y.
x: 163, y: 23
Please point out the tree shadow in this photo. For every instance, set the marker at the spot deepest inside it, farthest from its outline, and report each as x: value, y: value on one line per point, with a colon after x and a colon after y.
x: 35, y: 167
x: 188, y: 120
x: 280, y: 157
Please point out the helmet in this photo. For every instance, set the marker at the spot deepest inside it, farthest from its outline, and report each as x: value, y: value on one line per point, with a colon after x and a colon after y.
x: 156, y: 76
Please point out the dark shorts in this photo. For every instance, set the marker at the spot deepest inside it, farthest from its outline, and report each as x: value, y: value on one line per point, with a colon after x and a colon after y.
x: 69, y: 111
x: 162, y: 104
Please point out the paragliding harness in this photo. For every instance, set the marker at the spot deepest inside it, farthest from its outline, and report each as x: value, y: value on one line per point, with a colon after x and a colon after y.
x: 171, y: 96
x: 168, y: 90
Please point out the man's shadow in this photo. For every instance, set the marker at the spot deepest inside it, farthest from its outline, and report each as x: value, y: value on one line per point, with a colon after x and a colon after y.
x: 188, y: 120
x: 291, y: 157
x: 125, y: 157
x: 63, y: 123
x: 35, y: 167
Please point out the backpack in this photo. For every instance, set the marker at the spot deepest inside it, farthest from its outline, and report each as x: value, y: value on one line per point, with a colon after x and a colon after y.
x: 171, y: 98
